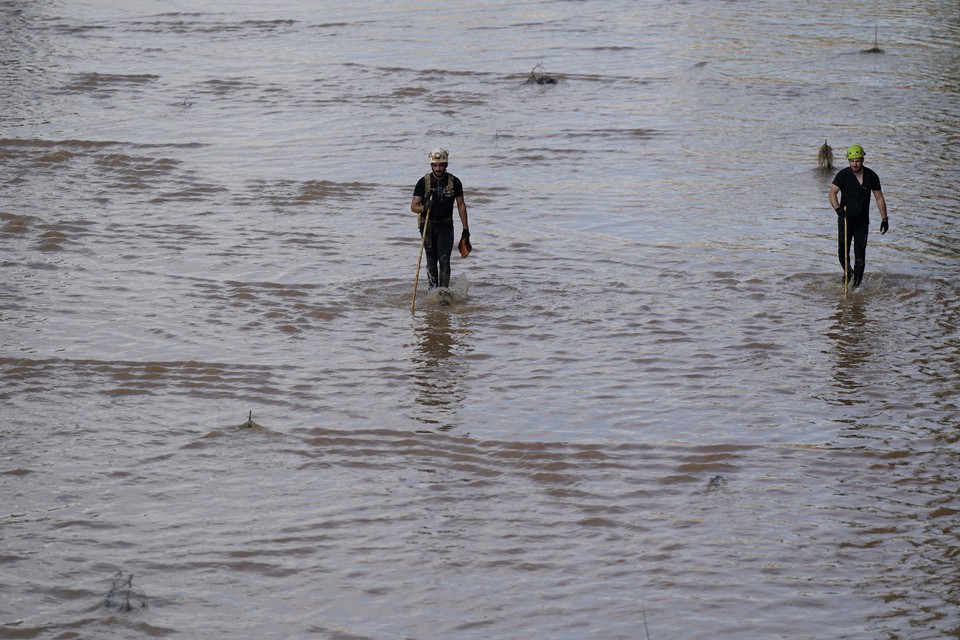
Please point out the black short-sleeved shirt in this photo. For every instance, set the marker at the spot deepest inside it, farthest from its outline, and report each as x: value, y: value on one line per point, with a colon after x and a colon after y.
x: 855, y: 197
x: 444, y: 198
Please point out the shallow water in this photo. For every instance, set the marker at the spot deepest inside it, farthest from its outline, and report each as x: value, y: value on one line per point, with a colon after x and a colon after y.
x: 652, y: 410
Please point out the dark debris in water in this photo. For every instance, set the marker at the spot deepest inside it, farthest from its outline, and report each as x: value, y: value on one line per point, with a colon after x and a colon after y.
x: 123, y: 596
x: 876, y: 44
x: 825, y: 156
x: 716, y: 482
x: 250, y: 424
x: 538, y: 75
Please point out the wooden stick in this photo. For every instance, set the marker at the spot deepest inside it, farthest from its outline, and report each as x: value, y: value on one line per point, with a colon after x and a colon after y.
x: 416, y: 279
x: 846, y: 257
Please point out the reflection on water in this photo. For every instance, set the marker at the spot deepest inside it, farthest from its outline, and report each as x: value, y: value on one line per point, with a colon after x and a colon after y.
x: 850, y: 332
x: 439, y: 366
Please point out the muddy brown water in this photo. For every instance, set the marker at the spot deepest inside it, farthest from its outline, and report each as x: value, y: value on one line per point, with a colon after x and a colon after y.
x: 651, y: 412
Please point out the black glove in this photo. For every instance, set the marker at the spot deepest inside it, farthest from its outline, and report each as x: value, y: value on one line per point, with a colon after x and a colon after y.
x: 427, y: 201
x: 884, y: 226
x: 841, y: 212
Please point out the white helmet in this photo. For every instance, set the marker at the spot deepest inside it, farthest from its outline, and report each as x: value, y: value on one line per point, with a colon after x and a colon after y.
x: 439, y: 155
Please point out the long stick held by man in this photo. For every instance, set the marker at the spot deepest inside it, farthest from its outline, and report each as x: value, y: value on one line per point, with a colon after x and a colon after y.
x: 850, y: 197
x: 436, y: 193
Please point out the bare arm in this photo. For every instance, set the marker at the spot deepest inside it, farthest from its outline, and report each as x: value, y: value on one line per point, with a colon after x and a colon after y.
x: 416, y: 206
x: 881, y: 203
x: 462, y: 209
x: 834, y: 200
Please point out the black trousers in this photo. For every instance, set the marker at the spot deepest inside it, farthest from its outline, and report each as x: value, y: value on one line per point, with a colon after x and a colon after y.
x: 857, y: 230
x: 438, y: 245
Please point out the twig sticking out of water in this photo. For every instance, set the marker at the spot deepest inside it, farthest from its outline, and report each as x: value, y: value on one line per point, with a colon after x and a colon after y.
x: 876, y: 48
x: 643, y: 613
x: 249, y: 424
x: 538, y: 75
x: 825, y: 156
x: 123, y: 595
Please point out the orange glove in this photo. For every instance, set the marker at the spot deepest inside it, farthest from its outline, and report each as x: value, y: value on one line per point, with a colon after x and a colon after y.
x: 464, y: 245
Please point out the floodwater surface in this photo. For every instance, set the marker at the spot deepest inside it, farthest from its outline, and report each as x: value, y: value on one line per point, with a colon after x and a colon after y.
x: 652, y: 410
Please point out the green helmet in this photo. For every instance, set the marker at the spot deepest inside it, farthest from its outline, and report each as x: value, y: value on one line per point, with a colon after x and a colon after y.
x: 856, y: 151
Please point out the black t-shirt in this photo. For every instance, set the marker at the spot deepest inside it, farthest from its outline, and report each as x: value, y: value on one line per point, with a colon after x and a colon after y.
x: 444, y: 198
x: 855, y: 197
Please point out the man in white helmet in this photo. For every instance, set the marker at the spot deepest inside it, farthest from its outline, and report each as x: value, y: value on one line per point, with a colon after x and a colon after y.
x: 437, y: 192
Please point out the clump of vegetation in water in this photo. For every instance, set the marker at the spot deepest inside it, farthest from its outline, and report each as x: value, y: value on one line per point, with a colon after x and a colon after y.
x: 825, y: 156
x: 123, y: 595
x: 538, y: 75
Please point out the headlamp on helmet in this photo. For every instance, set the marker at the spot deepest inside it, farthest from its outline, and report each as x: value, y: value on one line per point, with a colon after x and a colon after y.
x: 439, y: 155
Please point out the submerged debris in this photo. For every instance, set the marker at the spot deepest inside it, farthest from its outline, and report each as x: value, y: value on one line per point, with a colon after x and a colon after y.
x: 875, y: 48
x: 538, y: 75
x: 250, y: 424
x: 716, y: 482
x: 825, y: 156
x: 123, y: 595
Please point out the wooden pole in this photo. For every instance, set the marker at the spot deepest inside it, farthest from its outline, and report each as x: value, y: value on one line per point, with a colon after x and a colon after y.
x: 416, y: 279
x: 846, y: 256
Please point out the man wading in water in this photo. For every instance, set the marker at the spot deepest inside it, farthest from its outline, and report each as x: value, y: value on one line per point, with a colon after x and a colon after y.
x: 438, y: 196
x: 855, y: 183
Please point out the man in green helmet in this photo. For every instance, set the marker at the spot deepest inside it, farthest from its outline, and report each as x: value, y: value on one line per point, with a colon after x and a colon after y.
x: 854, y: 184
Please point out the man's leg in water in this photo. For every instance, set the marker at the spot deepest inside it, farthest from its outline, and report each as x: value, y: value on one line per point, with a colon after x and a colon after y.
x: 430, y: 248
x: 860, y: 252
x: 432, y: 271
x: 444, y: 243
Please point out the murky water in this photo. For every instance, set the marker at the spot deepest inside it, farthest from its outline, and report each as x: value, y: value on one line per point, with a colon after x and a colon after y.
x: 652, y: 411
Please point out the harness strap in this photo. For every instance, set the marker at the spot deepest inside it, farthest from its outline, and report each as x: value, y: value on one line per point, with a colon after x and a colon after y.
x: 428, y: 183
